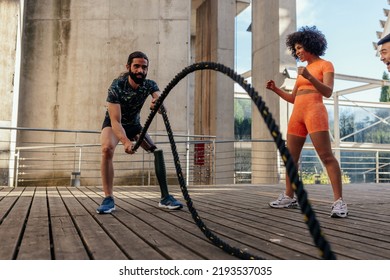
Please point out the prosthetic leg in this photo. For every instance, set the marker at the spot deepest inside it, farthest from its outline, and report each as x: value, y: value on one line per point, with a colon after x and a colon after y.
x: 161, y: 174
x: 167, y: 200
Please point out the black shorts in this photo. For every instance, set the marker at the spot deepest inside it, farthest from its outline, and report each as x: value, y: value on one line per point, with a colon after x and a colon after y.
x: 131, y: 130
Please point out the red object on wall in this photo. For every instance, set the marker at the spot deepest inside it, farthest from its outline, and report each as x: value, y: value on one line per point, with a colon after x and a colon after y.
x: 199, y: 154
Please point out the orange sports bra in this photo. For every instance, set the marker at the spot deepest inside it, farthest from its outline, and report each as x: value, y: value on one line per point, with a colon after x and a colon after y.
x: 317, y: 69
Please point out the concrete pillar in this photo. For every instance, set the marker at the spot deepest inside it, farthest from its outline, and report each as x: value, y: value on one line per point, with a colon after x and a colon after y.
x: 214, y: 111
x: 10, y: 26
x: 9, y: 17
x: 271, y: 22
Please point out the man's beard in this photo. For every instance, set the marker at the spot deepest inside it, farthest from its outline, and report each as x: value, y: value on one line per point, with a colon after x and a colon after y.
x: 136, y: 79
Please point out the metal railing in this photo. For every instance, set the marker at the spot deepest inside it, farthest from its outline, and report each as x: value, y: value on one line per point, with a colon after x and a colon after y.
x: 76, y: 160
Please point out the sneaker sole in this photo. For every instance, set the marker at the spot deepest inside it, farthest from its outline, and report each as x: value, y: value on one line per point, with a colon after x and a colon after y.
x: 290, y: 206
x: 170, y: 207
x: 105, y: 212
x: 339, y: 215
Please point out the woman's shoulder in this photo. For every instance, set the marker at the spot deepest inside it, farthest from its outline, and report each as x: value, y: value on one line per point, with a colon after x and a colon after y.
x: 326, y: 64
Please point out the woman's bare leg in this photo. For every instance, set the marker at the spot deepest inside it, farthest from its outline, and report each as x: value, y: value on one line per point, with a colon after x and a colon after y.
x: 294, y: 145
x: 321, y: 142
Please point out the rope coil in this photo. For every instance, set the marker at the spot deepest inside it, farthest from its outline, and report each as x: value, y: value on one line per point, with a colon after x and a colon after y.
x: 305, y: 206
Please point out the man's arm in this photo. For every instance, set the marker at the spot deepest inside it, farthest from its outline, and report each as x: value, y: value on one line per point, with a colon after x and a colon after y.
x: 114, y: 111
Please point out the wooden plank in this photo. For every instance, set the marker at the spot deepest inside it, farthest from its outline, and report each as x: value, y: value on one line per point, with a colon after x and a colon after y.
x: 283, y: 219
x: 246, y: 237
x: 160, y: 236
x: 295, y: 232
x: 67, y: 243
x: 375, y: 253
x: 185, y: 218
x: 98, y: 244
x: 35, y: 244
x: 239, y: 214
x: 12, y: 226
x: 7, y: 199
x: 134, y: 245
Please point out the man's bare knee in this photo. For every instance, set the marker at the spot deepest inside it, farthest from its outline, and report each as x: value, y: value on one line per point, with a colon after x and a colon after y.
x: 108, y: 151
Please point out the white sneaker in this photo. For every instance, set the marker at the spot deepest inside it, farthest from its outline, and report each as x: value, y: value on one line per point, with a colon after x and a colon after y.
x: 284, y: 201
x: 339, y: 209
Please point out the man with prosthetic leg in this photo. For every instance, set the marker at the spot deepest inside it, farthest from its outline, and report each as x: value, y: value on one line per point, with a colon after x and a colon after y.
x: 125, y: 99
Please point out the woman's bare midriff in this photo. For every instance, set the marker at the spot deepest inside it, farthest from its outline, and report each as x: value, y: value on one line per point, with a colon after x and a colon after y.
x: 306, y: 91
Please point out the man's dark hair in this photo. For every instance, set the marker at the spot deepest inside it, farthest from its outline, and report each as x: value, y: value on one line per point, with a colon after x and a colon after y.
x: 136, y: 54
x: 384, y: 40
x: 312, y: 40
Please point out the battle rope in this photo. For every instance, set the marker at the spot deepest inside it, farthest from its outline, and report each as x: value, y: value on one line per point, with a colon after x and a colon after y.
x: 306, y: 209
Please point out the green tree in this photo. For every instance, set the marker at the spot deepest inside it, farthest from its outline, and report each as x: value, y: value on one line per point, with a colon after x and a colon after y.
x: 242, y: 118
x: 347, y: 124
x: 385, y: 92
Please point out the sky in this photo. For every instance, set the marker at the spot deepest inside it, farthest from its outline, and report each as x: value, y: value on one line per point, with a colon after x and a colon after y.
x: 350, y: 27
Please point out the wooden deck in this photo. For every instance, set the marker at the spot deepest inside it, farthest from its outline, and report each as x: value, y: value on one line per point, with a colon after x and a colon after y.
x: 61, y: 223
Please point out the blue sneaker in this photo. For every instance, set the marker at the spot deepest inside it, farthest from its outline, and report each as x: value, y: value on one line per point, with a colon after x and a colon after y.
x: 170, y: 203
x: 107, y: 206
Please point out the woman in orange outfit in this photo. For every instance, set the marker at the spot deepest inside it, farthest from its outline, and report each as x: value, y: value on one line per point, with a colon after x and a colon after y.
x: 309, y: 115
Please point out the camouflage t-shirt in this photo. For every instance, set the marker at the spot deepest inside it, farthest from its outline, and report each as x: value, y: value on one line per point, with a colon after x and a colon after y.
x: 131, y: 100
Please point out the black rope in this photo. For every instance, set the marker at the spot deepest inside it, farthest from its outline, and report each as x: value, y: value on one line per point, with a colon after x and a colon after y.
x: 306, y: 209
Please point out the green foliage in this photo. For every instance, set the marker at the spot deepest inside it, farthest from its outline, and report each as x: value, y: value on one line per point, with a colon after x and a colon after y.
x: 242, y: 118
x: 347, y: 124
x: 310, y: 178
x: 385, y: 92
x: 369, y: 129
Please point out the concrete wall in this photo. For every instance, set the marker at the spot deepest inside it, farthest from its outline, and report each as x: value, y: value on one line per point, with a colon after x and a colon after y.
x: 74, y: 49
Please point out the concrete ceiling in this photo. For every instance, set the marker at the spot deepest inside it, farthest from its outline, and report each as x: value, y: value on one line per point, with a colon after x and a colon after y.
x: 240, y: 6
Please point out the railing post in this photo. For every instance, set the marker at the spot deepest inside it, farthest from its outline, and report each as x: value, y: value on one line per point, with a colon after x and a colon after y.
x: 377, y: 166
x: 336, y: 132
x: 212, y: 172
x: 188, y: 159
x: 75, y: 176
x: 75, y: 179
x: 80, y: 150
x: 279, y: 168
x: 14, y: 181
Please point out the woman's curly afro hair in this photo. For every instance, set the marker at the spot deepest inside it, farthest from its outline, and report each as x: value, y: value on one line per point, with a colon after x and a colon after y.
x: 312, y: 40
